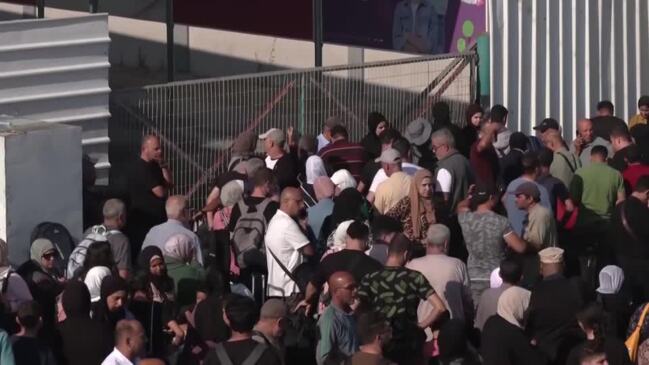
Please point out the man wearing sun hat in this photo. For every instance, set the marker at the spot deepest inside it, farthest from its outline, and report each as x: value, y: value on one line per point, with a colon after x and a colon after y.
x: 554, y: 304
x: 283, y: 164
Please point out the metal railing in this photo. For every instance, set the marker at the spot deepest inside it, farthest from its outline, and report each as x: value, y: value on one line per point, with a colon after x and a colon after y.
x: 197, y: 120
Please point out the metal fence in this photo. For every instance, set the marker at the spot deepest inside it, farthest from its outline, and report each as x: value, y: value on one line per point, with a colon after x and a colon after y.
x: 197, y: 120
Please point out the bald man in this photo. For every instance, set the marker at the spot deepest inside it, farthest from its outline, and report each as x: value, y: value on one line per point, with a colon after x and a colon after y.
x: 177, y: 223
x: 586, y: 140
x: 564, y: 163
x: 129, y: 343
x: 338, y: 340
x: 286, y: 242
x: 149, y: 181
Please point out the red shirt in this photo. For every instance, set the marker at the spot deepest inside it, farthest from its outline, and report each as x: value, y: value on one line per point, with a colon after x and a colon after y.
x: 484, y: 164
x: 632, y: 174
x: 343, y: 154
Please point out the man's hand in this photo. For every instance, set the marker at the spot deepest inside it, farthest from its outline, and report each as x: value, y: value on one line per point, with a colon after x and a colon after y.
x: 303, y: 304
x: 290, y: 136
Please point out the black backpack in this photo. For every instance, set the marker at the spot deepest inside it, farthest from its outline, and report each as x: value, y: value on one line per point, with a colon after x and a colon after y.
x: 59, y: 236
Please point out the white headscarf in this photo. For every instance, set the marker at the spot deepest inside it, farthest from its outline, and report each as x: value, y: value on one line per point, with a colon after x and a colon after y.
x: 611, y: 279
x: 93, y: 280
x: 314, y: 169
x: 512, y: 305
x: 343, y: 179
x: 495, y: 281
x: 340, y: 236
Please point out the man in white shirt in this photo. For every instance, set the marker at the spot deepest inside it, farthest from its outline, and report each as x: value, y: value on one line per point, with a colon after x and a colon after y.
x: 177, y: 218
x: 447, y: 275
x: 129, y: 343
x: 285, y: 241
x: 403, y: 146
x: 324, y: 138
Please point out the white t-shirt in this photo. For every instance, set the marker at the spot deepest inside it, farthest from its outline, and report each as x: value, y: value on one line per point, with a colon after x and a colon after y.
x: 270, y: 163
x: 284, y: 238
x: 322, y: 142
x: 380, y: 176
x: 116, y: 358
x: 444, y: 181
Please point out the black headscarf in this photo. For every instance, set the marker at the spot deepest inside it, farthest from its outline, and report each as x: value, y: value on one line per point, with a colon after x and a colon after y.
x: 371, y: 142
x: 163, y: 283
x: 76, y: 300
x: 83, y: 340
x: 348, y: 205
x: 110, y: 285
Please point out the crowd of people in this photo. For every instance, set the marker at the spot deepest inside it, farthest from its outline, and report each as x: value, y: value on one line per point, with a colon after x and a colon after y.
x: 432, y: 245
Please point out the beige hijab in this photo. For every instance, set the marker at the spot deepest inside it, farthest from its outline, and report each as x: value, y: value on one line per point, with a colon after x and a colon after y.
x: 512, y: 305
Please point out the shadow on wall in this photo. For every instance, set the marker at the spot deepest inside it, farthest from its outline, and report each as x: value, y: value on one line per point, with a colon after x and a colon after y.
x: 136, y: 62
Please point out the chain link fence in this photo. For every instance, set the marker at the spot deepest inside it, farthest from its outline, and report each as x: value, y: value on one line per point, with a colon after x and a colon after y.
x: 198, y: 120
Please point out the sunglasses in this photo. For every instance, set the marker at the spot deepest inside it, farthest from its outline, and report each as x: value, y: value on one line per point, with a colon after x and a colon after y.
x: 50, y: 256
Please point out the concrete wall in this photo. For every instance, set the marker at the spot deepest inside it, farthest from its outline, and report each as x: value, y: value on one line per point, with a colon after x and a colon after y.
x: 40, y: 180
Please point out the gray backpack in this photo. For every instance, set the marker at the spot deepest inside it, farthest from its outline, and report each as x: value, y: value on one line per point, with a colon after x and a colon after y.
x: 250, y: 230
x: 252, y: 359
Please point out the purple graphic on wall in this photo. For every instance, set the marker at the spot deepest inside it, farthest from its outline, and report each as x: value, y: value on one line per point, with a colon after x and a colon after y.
x: 413, y: 26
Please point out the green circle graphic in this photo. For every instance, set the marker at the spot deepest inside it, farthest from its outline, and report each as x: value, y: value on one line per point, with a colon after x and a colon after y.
x: 461, y: 45
x: 467, y: 28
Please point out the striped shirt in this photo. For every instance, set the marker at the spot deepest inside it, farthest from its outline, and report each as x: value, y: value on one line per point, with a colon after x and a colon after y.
x: 343, y: 154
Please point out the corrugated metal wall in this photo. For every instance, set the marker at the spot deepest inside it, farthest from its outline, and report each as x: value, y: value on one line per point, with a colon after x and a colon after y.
x: 56, y: 70
x: 560, y: 57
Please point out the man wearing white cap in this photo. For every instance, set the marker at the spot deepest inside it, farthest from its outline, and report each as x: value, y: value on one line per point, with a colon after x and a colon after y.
x: 283, y: 164
x: 396, y: 187
x: 553, y: 308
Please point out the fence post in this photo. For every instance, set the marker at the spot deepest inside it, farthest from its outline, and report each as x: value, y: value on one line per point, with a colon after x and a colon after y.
x: 93, y: 6
x: 40, y: 9
x: 317, y: 31
x: 170, y: 41
x: 302, y: 112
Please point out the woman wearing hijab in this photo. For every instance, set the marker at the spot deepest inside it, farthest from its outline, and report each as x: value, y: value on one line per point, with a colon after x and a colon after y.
x: 314, y: 168
x: 503, y: 340
x: 93, y: 281
x: 181, y: 267
x: 371, y: 143
x: 342, y: 180
x: 417, y: 211
x: 616, y: 300
x: 471, y: 130
x: 13, y: 287
x: 154, y: 302
x: 44, y: 281
x: 592, y: 321
x: 83, y: 340
x: 111, y: 307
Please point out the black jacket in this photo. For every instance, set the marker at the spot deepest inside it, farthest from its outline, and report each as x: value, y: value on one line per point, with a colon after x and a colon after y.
x: 505, y: 344
x: 552, y: 320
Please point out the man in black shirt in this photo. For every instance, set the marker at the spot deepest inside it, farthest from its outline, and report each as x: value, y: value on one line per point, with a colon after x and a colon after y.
x: 630, y: 238
x: 283, y: 164
x: 264, y: 185
x: 240, y: 315
x: 27, y: 348
x: 620, y: 141
x: 605, y: 121
x: 149, y: 183
x: 352, y: 259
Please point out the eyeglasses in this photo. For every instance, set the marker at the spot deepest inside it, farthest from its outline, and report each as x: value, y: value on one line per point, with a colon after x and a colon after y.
x: 349, y: 287
x: 50, y: 256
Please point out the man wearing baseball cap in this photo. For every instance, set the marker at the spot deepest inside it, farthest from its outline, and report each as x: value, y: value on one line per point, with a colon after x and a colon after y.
x: 283, y: 164
x: 539, y: 227
x: 547, y: 124
x: 396, y: 187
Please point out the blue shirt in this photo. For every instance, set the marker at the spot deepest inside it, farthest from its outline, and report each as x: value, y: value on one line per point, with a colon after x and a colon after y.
x: 6, y: 353
x: 318, y: 213
x: 337, y: 339
x: 517, y: 216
